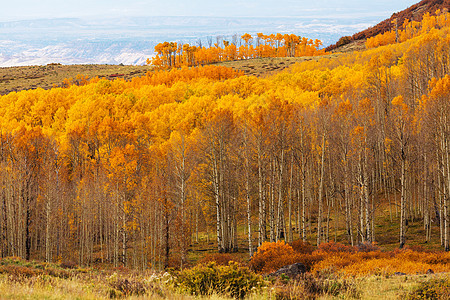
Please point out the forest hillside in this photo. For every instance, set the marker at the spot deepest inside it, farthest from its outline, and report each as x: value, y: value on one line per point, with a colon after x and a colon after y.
x: 412, y: 13
x: 339, y: 153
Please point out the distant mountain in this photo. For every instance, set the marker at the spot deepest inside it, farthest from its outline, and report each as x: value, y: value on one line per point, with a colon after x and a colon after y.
x: 413, y: 13
x: 131, y: 40
x: 76, y: 52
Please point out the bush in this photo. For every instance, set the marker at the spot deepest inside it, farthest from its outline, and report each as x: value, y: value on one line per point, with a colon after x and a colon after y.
x: 310, y: 287
x: 302, y: 247
x: 68, y: 265
x: 309, y: 260
x: 272, y: 256
x: 16, y: 273
x: 18, y: 269
x: 334, y: 263
x: 367, y: 247
x: 232, y: 280
x: 60, y: 273
x: 125, y: 287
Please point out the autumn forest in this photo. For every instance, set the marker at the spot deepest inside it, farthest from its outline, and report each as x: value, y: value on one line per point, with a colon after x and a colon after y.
x: 133, y: 173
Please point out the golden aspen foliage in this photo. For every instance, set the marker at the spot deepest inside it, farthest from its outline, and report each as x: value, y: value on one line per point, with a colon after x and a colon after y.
x: 111, y: 170
x: 167, y: 56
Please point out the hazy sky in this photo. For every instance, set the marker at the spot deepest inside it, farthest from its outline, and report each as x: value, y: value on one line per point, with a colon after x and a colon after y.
x: 32, y: 9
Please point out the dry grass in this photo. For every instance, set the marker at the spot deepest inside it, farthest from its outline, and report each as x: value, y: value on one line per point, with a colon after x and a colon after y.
x: 50, y: 288
x: 31, y: 77
x: 262, y: 67
x: 97, y: 285
x: 394, y: 287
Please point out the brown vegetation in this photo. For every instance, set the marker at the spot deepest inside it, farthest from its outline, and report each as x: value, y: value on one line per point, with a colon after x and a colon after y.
x: 14, y: 79
x: 412, y: 13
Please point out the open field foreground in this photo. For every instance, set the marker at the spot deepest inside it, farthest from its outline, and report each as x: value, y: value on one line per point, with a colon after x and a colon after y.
x: 33, y: 280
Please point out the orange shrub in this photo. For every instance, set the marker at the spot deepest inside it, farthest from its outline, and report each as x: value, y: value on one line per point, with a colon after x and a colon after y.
x: 437, y: 258
x: 309, y: 260
x: 302, y: 247
x: 383, y: 263
x: 272, y: 256
x: 388, y: 266
x: 334, y: 262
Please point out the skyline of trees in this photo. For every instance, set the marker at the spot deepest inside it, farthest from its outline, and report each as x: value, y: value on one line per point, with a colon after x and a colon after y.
x: 176, y: 55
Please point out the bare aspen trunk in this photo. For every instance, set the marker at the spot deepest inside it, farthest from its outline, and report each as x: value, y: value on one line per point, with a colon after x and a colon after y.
x: 303, y: 208
x: 182, y: 186
x: 218, y: 205
x: 247, y: 195
x: 336, y: 220
x: 441, y: 210
x: 280, y: 206
x: 47, y: 229
x: 446, y: 196
x: 303, y: 176
x: 166, y: 233
x: 320, y: 200
x: 372, y: 216
x: 426, y: 204
x: 290, y: 233
x: 124, y: 235
x: 347, y: 201
x: 327, y: 236
x: 261, y: 204
x: 361, y: 231
x: 402, y: 202
x: 446, y: 229
x: 234, y: 246
x: 366, y: 199
x: 311, y: 199
x: 272, y: 205
x: 116, y: 231
x: 196, y: 223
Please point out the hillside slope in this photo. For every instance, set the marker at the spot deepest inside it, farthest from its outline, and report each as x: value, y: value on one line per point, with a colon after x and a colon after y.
x: 412, y: 13
x: 14, y: 79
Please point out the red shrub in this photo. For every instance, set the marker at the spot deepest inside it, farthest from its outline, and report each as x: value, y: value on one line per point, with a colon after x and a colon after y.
x: 368, y: 247
x: 272, y: 256
x: 302, y: 247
